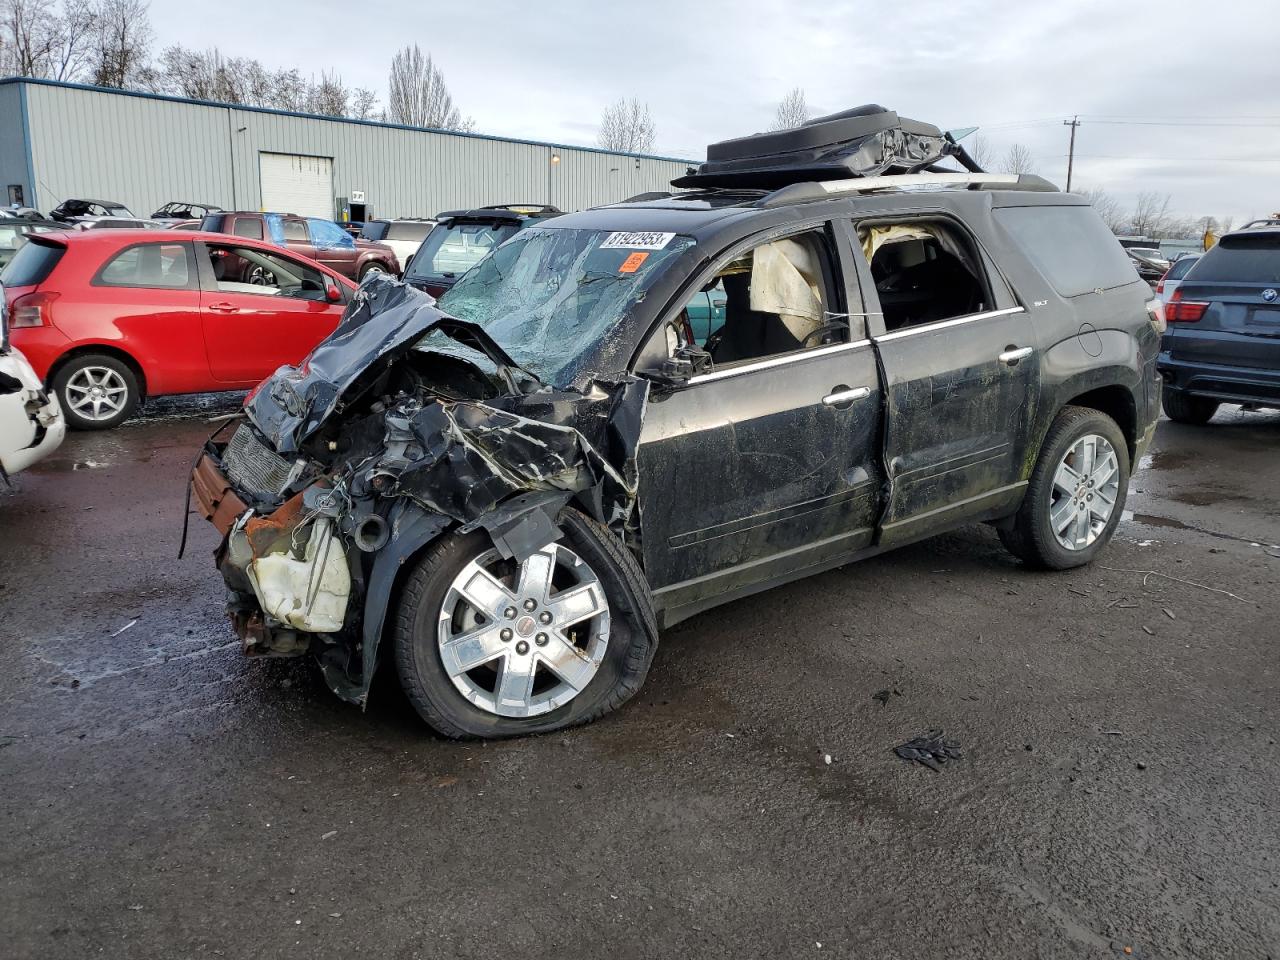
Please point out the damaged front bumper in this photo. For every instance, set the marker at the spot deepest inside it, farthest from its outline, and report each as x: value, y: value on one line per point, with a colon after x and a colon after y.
x: 31, y: 421
x: 346, y: 466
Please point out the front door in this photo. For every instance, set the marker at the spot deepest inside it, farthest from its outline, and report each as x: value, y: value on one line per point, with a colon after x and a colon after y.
x: 766, y: 465
x: 252, y: 328
x: 962, y: 377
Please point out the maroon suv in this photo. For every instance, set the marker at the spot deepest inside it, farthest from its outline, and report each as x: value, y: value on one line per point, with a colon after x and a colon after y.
x: 321, y: 240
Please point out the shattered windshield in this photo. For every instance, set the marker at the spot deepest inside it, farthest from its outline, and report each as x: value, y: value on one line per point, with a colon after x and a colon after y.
x: 548, y: 295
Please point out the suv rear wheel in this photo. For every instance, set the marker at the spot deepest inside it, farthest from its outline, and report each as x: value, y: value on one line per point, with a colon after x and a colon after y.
x: 487, y: 647
x: 96, y: 391
x: 1076, y: 495
x: 1184, y: 408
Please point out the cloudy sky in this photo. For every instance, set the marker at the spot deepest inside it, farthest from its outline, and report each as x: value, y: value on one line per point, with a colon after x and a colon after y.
x: 1175, y: 97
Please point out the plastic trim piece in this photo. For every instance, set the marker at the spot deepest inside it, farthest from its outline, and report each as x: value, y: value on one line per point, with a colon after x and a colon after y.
x: 777, y: 361
x: 943, y: 324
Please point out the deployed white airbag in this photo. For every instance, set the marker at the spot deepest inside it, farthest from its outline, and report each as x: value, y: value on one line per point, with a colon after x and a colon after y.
x: 785, y: 280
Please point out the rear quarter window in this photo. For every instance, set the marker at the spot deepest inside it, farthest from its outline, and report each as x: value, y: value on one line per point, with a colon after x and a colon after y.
x: 1070, y: 246
x: 32, y: 264
x: 408, y: 231
x: 1240, y: 260
x: 250, y: 227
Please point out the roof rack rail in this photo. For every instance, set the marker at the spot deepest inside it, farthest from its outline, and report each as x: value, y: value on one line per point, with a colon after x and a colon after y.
x: 1264, y: 222
x: 822, y: 189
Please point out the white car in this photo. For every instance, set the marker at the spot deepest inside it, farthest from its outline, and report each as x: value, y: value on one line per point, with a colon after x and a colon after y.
x: 1173, y: 276
x: 31, y: 422
x: 402, y: 236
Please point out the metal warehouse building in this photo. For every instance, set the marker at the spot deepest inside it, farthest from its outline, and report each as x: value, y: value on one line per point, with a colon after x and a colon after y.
x: 67, y: 140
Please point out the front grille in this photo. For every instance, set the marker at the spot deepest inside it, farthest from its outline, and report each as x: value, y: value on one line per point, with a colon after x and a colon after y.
x: 253, y: 467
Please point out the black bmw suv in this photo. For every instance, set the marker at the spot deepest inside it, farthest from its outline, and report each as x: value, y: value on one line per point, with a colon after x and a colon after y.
x: 507, y: 493
x: 1223, y: 341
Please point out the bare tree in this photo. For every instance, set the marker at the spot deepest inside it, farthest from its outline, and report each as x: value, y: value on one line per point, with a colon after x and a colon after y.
x: 1018, y: 159
x: 27, y: 37
x: 627, y: 126
x: 121, y: 42
x: 329, y: 96
x: 364, y: 104
x: 39, y: 40
x: 980, y: 151
x: 418, y: 96
x: 75, y: 30
x: 1151, y: 217
x: 1227, y: 224
x: 1107, y: 207
x: 792, y: 112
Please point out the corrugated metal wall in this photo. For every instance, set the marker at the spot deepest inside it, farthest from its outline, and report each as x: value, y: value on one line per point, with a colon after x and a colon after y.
x: 146, y: 151
x: 13, y: 144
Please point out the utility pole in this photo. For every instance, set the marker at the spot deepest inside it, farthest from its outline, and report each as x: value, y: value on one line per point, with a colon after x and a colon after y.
x: 1071, y: 150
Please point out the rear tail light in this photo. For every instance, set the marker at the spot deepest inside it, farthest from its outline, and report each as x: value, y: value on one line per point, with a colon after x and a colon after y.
x: 1178, y: 310
x: 1155, y: 313
x: 33, y: 310
x: 1160, y: 285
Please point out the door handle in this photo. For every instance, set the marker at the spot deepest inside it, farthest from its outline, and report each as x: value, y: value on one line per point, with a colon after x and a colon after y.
x: 224, y: 308
x: 845, y: 395
x: 1014, y: 354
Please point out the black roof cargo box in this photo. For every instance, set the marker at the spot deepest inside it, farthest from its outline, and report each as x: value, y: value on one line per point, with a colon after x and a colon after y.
x: 867, y: 141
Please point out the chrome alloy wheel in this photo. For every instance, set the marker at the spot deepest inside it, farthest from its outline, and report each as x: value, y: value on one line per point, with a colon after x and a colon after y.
x: 96, y: 393
x: 519, y: 640
x: 1085, y: 488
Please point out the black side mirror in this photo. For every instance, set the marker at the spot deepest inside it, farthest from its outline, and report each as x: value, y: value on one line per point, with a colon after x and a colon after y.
x: 687, y: 362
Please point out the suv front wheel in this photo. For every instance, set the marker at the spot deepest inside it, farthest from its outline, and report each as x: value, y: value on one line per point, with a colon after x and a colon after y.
x: 493, y: 647
x: 1076, y: 495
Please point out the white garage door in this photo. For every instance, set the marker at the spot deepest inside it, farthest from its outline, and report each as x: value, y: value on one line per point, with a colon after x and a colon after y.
x: 296, y: 184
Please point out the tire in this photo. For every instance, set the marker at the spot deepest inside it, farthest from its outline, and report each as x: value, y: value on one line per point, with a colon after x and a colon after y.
x: 75, y: 381
x: 466, y: 704
x: 1184, y: 408
x: 1032, y: 537
x: 373, y: 267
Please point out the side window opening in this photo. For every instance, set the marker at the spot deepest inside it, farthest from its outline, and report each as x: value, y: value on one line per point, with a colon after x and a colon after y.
x: 250, y: 227
x: 253, y: 271
x: 147, y: 265
x: 923, y: 272
x: 775, y: 298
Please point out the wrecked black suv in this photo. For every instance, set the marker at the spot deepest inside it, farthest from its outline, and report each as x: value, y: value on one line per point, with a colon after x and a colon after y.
x: 507, y: 493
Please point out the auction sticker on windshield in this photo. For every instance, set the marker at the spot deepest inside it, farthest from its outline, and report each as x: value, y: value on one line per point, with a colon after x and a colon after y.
x: 636, y: 241
x: 632, y: 263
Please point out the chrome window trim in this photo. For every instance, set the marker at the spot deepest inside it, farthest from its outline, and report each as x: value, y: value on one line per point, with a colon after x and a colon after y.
x: 944, y: 324
x: 777, y: 361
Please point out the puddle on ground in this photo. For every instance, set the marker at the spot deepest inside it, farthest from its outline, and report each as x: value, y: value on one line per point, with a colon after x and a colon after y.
x: 1203, y: 497
x: 1167, y: 459
x: 1152, y: 520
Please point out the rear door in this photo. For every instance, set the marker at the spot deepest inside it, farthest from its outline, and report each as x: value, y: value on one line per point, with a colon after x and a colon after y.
x: 251, y: 329
x: 767, y: 464
x: 962, y: 374
x: 1239, y: 279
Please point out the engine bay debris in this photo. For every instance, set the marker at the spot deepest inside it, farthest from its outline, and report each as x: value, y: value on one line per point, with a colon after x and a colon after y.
x: 403, y: 423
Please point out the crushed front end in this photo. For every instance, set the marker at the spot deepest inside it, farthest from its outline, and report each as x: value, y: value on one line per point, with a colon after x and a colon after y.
x: 402, y: 425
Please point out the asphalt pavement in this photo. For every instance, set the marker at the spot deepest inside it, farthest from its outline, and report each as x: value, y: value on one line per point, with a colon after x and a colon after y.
x: 163, y: 797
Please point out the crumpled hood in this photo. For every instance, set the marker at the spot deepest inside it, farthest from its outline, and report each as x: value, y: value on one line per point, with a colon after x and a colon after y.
x: 385, y: 319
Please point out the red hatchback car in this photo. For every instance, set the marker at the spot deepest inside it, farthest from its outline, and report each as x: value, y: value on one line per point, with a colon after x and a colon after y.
x: 108, y: 317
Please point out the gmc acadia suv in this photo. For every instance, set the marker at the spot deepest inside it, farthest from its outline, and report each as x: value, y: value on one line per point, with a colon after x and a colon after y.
x: 504, y: 495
